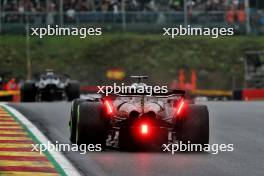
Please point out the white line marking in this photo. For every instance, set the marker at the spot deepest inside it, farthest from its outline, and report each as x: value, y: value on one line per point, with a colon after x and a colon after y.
x: 59, y: 158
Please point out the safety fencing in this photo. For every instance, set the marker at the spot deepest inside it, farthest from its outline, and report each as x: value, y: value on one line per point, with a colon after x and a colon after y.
x: 249, y: 94
x: 15, y: 22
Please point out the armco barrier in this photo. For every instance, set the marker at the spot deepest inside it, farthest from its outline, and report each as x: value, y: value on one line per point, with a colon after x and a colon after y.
x: 253, y: 94
x: 212, y: 93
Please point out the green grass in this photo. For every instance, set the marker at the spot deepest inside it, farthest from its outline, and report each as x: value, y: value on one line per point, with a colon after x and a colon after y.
x: 217, y: 61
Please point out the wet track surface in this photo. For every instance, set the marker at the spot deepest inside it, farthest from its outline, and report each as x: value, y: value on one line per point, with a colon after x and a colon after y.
x: 240, y: 123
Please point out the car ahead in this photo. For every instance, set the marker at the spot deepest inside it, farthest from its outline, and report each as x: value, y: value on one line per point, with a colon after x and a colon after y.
x: 50, y: 87
x: 138, y: 121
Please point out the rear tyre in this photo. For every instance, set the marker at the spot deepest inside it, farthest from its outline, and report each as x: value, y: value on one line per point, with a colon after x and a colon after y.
x: 195, y: 125
x: 73, y: 90
x: 28, y: 92
x: 91, y: 124
x: 73, y: 119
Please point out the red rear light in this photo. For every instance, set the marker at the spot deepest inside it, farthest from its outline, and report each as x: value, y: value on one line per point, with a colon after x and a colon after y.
x: 180, y: 107
x: 144, y: 129
x: 109, y: 107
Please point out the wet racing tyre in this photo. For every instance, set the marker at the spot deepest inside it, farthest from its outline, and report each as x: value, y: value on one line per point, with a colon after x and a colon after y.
x: 73, y: 90
x: 195, y: 125
x: 91, y: 124
x: 28, y: 92
x: 73, y: 119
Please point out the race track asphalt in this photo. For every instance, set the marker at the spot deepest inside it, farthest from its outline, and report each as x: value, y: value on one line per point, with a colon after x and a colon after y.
x: 238, y: 123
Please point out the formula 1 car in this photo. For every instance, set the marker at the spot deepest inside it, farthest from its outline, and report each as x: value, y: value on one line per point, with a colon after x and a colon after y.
x: 138, y: 121
x: 50, y: 87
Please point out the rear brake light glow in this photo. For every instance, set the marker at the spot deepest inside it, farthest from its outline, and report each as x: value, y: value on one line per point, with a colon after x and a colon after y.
x: 144, y: 129
x: 109, y: 107
x: 180, y: 107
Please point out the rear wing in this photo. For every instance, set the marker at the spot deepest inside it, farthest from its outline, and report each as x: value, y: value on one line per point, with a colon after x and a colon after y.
x: 173, y: 93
